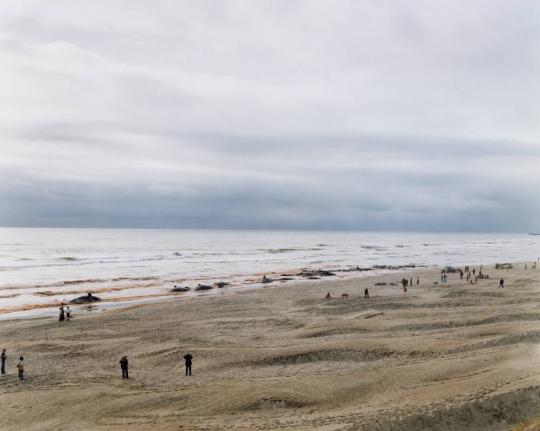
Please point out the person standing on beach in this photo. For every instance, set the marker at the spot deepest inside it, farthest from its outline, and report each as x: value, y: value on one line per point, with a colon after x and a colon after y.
x: 124, y: 366
x: 61, y: 316
x: 366, y: 293
x: 501, y: 283
x: 20, y: 367
x: 68, y: 314
x: 3, y: 360
x: 187, y: 361
x: 404, y: 283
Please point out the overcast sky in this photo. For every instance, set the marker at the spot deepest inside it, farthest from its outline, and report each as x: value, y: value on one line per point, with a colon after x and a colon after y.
x: 384, y: 115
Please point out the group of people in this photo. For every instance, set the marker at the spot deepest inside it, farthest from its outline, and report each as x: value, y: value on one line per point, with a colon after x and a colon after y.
x: 64, y: 314
x: 19, y: 366
x: 471, y: 274
x: 346, y: 295
x: 405, y: 283
x: 124, y: 365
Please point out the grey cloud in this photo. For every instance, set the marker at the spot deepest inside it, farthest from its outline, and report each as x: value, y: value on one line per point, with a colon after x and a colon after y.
x: 297, y: 114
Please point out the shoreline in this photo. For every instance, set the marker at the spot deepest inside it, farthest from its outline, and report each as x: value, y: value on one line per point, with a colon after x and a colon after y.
x: 252, y: 281
x: 161, y: 293
x: 120, y: 266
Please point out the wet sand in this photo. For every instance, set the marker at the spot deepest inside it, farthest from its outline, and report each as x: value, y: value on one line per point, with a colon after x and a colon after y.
x: 441, y: 357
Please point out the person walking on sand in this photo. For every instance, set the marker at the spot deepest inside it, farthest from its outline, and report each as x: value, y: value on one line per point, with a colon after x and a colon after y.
x: 3, y: 361
x: 501, y: 283
x: 68, y: 314
x: 187, y: 361
x: 404, y: 283
x: 366, y: 293
x: 61, y: 316
x: 124, y: 366
x: 417, y: 281
x: 20, y: 367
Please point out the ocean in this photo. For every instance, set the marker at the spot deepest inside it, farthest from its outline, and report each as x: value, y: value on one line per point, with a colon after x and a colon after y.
x: 39, y: 268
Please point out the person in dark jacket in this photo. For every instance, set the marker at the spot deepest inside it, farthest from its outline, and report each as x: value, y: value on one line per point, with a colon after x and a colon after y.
x: 124, y: 366
x: 366, y: 293
x: 3, y: 361
x: 501, y: 283
x: 187, y: 360
x: 404, y: 283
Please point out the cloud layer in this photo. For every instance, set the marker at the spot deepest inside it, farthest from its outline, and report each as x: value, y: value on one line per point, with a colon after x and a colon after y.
x: 401, y: 115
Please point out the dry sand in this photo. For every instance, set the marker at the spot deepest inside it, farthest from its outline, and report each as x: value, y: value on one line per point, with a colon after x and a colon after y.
x: 453, y: 357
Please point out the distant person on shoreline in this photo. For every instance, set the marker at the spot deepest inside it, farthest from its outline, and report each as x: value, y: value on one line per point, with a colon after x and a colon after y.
x: 404, y: 283
x: 187, y: 362
x: 61, y: 316
x: 68, y: 314
x: 366, y: 293
x: 20, y: 367
x: 501, y: 283
x: 124, y: 366
x: 3, y: 360
x: 328, y: 296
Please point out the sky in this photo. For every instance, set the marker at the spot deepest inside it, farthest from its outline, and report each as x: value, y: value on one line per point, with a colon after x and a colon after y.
x: 284, y: 114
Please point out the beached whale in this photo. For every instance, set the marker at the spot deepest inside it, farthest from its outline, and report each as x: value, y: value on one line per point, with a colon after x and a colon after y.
x: 86, y: 299
x: 449, y: 269
x: 180, y: 289
x: 309, y: 273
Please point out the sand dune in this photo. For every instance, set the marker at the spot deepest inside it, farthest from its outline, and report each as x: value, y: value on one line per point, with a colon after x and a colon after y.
x: 452, y: 357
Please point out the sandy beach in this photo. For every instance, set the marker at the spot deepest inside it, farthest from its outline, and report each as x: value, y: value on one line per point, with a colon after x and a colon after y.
x: 440, y: 357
